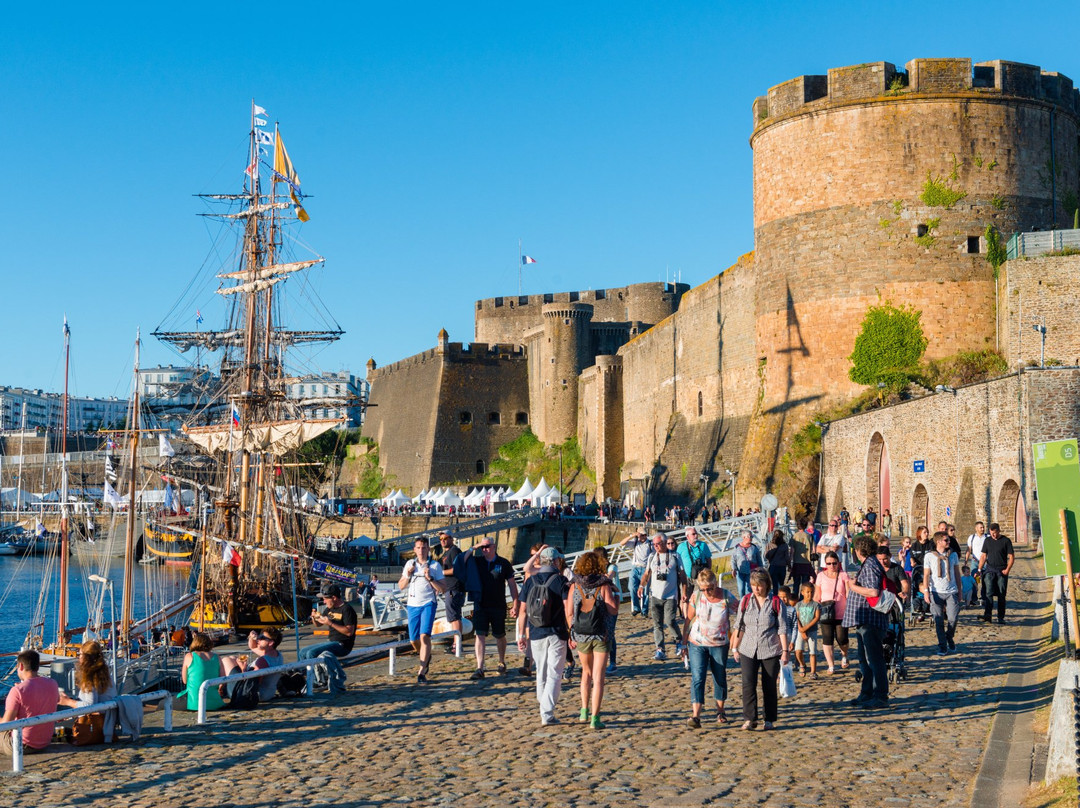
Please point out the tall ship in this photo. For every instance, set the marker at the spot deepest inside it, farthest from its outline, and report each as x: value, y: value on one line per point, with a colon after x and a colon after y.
x: 247, y: 542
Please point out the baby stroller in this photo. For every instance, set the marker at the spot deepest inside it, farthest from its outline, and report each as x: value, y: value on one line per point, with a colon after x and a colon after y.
x: 918, y: 608
x: 893, y: 646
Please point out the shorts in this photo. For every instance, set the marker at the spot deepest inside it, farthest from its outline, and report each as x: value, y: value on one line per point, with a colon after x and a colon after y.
x: 489, y: 620
x: 809, y: 644
x: 454, y: 601
x: 421, y: 619
x: 592, y: 645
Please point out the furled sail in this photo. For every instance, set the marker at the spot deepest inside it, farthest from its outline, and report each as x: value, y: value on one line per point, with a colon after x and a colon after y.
x: 270, y: 271
x: 277, y: 437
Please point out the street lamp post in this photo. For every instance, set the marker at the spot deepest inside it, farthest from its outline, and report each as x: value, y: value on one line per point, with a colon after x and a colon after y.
x: 733, y: 475
x: 98, y: 579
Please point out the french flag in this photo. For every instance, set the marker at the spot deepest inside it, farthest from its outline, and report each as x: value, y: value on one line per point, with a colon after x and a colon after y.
x: 527, y: 259
x: 229, y: 554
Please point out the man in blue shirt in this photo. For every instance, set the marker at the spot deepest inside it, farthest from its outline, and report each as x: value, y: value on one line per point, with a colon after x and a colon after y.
x: 694, y: 555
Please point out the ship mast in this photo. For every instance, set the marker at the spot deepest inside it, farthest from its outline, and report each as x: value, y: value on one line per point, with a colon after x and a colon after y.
x: 129, y: 533
x: 62, y: 609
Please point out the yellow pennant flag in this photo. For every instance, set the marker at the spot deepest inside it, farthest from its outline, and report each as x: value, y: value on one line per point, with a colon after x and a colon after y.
x: 284, y: 169
x: 301, y: 214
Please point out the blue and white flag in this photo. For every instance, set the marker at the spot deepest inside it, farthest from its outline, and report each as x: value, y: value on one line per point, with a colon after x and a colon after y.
x: 111, y: 497
x: 170, y: 498
x: 262, y: 137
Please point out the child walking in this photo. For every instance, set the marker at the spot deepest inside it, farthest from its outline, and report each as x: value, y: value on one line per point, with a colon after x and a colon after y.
x: 809, y: 613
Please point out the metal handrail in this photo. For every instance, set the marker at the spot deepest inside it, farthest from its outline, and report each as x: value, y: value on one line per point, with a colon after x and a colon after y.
x: 258, y: 673
x: 16, y: 727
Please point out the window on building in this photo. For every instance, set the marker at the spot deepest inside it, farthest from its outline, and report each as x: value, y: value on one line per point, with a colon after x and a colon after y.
x: 494, y: 418
x: 481, y: 467
x: 922, y: 230
x: 973, y: 245
x: 465, y: 417
x: 521, y: 419
x: 700, y: 404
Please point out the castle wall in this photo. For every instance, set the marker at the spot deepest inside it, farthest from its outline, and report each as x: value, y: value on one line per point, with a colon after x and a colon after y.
x: 438, y: 413
x: 690, y: 386
x: 975, y: 446
x: 1039, y: 290
x: 837, y: 210
x: 508, y: 319
x: 600, y: 423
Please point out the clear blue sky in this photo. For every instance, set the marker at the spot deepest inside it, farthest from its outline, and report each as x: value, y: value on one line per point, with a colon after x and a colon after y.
x: 612, y: 138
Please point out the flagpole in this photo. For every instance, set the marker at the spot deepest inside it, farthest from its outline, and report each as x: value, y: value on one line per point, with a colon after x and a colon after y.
x: 519, y: 267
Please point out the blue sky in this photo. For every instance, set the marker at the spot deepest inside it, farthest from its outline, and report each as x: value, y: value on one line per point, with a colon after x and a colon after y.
x: 612, y: 138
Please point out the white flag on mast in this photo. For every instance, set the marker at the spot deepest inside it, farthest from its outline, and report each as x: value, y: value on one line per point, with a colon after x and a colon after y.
x: 111, y: 497
x: 259, y: 110
x: 165, y: 448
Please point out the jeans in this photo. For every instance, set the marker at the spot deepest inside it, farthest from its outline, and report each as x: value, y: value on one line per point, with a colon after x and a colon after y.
x: 778, y: 574
x: 664, y: 613
x: 770, y: 678
x: 743, y: 583
x: 946, y: 611
x: 875, y: 679
x: 703, y: 660
x: 549, y: 655
x: 636, y: 604
x: 997, y: 584
x: 329, y: 651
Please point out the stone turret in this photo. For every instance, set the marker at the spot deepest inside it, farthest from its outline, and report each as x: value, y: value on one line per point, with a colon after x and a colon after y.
x: 567, y: 338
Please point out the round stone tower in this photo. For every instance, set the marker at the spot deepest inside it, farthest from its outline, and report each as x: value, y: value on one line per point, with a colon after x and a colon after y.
x: 873, y: 184
x: 566, y: 352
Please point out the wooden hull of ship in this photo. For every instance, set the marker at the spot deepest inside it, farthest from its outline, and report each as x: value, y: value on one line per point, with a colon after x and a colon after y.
x: 267, y: 615
x: 170, y: 547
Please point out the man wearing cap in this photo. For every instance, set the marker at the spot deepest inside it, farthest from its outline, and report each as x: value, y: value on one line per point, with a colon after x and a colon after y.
x: 543, y: 627
x: 641, y: 548
x: 340, y: 620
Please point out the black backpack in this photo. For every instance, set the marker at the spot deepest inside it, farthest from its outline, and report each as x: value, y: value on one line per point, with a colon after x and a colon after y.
x: 291, y: 683
x: 594, y: 621
x: 543, y: 605
x: 245, y: 695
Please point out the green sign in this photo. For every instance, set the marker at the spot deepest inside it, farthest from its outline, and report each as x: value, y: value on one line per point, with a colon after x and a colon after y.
x: 1057, y: 478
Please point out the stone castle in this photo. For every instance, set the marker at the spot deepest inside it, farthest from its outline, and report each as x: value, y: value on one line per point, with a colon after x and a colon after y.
x: 870, y: 184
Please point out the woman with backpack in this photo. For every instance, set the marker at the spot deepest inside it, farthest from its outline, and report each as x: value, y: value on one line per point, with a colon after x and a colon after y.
x: 705, y: 643
x: 760, y: 645
x: 588, y: 605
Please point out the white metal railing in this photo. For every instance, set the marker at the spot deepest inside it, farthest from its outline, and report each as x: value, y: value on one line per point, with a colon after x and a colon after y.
x: 388, y: 607
x: 16, y: 727
x: 1041, y: 242
x: 309, y: 664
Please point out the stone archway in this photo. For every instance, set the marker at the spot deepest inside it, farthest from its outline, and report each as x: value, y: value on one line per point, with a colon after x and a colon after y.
x: 920, y: 509
x: 1012, y: 513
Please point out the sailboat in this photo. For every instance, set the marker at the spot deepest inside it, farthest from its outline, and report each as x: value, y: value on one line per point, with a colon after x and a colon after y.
x: 251, y: 554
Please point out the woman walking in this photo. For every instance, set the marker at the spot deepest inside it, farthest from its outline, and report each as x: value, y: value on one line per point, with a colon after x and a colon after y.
x: 705, y: 643
x: 760, y: 645
x: 588, y: 605
x: 778, y: 557
x: 830, y: 591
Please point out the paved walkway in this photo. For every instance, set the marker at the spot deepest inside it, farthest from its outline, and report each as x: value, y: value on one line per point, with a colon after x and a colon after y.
x: 456, y: 742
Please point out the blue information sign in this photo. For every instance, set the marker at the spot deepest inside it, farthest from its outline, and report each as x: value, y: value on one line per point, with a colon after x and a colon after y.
x: 920, y: 465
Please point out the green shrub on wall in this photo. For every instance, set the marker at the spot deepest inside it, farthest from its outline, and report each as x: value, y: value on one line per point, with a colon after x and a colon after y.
x: 889, y: 347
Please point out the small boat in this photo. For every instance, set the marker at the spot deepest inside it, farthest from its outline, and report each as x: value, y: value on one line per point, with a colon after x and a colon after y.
x: 8, y: 549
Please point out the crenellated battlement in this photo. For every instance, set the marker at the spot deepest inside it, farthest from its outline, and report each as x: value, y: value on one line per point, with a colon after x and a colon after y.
x: 615, y: 295
x: 920, y: 78
x: 454, y: 352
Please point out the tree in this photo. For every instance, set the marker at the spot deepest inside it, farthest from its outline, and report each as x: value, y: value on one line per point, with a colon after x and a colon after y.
x: 889, y: 347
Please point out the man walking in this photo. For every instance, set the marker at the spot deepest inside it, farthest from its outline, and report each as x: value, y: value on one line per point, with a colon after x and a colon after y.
x: 541, y: 624
x: 974, y: 553
x: 641, y: 549
x: 744, y: 560
x: 869, y: 624
x: 995, y: 563
x: 423, y: 577
x: 494, y: 574
x: 665, y: 582
x: 454, y: 596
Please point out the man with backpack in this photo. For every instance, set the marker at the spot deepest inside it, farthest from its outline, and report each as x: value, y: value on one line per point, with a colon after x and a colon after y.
x: 541, y: 622
x: 665, y: 583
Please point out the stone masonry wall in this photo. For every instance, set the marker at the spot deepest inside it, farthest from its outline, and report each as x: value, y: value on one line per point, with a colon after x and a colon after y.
x: 838, y: 181
x: 690, y: 385
x: 1039, y: 290
x: 600, y: 422
x: 975, y: 446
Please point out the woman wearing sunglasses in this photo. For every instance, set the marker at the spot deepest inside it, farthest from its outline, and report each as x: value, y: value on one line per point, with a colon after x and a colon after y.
x: 830, y: 590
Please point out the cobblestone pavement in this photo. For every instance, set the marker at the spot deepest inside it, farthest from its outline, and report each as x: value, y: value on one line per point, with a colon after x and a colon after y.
x: 479, y: 743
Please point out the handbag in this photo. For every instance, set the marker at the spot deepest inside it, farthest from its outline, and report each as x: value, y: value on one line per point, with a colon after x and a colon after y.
x: 787, y: 682
x: 88, y: 730
x: 828, y: 607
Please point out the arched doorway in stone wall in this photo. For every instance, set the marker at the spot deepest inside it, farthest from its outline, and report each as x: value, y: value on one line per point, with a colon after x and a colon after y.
x: 878, y: 478
x: 920, y: 509
x: 1012, y: 513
